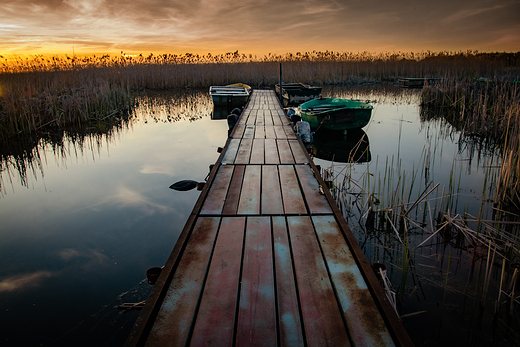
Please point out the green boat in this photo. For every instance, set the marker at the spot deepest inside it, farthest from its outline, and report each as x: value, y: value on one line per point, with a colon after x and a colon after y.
x: 335, y: 114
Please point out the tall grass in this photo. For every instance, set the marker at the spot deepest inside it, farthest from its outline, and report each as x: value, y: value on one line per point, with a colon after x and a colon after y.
x: 31, y: 102
x: 488, y: 111
x: 44, y: 92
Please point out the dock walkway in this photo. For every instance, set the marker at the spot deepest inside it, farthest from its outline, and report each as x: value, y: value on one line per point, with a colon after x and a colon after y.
x: 265, y: 258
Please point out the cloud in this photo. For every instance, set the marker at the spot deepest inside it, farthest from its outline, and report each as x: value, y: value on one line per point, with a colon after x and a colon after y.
x: 20, y: 282
x: 92, y: 256
x: 251, y: 26
x: 127, y: 197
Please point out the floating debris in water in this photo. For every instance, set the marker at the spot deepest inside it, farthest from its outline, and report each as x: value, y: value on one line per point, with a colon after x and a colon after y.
x: 184, y: 185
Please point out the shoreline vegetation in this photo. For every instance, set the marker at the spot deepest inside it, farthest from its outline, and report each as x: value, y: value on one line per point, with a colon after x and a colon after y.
x: 477, y: 93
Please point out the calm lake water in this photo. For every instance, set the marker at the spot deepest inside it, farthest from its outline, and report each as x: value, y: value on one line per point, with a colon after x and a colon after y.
x: 82, y: 221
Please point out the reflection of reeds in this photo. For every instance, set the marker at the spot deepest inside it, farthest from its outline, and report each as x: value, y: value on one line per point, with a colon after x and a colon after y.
x: 486, y: 111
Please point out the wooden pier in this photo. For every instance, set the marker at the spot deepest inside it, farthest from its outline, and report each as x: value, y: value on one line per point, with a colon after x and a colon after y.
x: 265, y: 258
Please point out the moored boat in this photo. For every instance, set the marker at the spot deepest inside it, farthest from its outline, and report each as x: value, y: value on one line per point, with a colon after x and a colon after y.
x: 248, y: 88
x: 298, y: 92
x: 335, y: 114
x: 229, y: 95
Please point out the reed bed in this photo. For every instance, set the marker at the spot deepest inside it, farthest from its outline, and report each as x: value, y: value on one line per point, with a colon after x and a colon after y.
x: 33, y: 102
x: 486, y: 110
x: 57, y: 91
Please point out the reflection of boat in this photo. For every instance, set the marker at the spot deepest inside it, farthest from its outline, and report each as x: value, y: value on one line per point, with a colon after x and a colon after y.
x: 229, y: 95
x: 335, y: 114
x: 352, y: 147
x: 298, y: 92
x: 221, y: 112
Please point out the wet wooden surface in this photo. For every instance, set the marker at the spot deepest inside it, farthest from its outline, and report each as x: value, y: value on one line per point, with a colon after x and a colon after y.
x: 265, y: 258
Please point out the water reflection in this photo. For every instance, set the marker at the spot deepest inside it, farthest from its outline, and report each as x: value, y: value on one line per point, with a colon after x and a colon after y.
x: 439, y: 251
x: 90, y: 211
x: 85, y: 212
x: 344, y: 147
x: 221, y: 112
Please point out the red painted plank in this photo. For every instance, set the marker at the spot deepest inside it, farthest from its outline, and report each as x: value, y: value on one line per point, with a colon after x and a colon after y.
x: 285, y: 152
x: 364, y: 321
x: 292, y: 198
x: 288, y: 311
x: 217, y: 194
x: 172, y: 324
x: 250, y: 195
x: 257, y: 152
x: 257, y: 313
x: 316, y: 201
x: 321, y: 315
x: 231, y: 151
x: 244, y: 151
x: 271, y: 194
x: 215, y: 322
x: 297, y: 150
x: 271, y: 152
x: 233, y: 196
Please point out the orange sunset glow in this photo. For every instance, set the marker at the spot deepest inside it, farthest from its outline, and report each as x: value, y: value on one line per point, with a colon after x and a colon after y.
x: 256, y: 26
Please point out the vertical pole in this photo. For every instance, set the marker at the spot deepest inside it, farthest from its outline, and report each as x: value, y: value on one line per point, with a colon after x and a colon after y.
x: 281, y: 87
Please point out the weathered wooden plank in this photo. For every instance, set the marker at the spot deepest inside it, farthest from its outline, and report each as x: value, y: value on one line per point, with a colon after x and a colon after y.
x: 239, y: 131
x: 292, y: 198
x: 364, y: 321
x: 243, y: 119
x: 172, y: 324
x: 271, y: 194
x: 276, y: 118
x: 316, y: 201
x: 269, y: 132
x: 251, y: 119
x: 257, y: 313
x: 250, y: 195
x: 257, y: 152
x: 299, y: 155
x: 280, y: 133
x: 285, y: 152
x: 321, y: 315
x: 215, y: 322
x: 260, y: 132
x: 268, y: 120
x: 233, y: 196
x: 271, y: 152
x: 289, y: 132
x: 249, y: 132
x: 288, y: 311
x: 231, y: 151
x: 244, y: 151
x: 260, y: 119
x: 217, y: 194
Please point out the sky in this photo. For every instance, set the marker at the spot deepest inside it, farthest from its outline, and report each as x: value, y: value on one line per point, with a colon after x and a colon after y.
x: 257, y: 27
